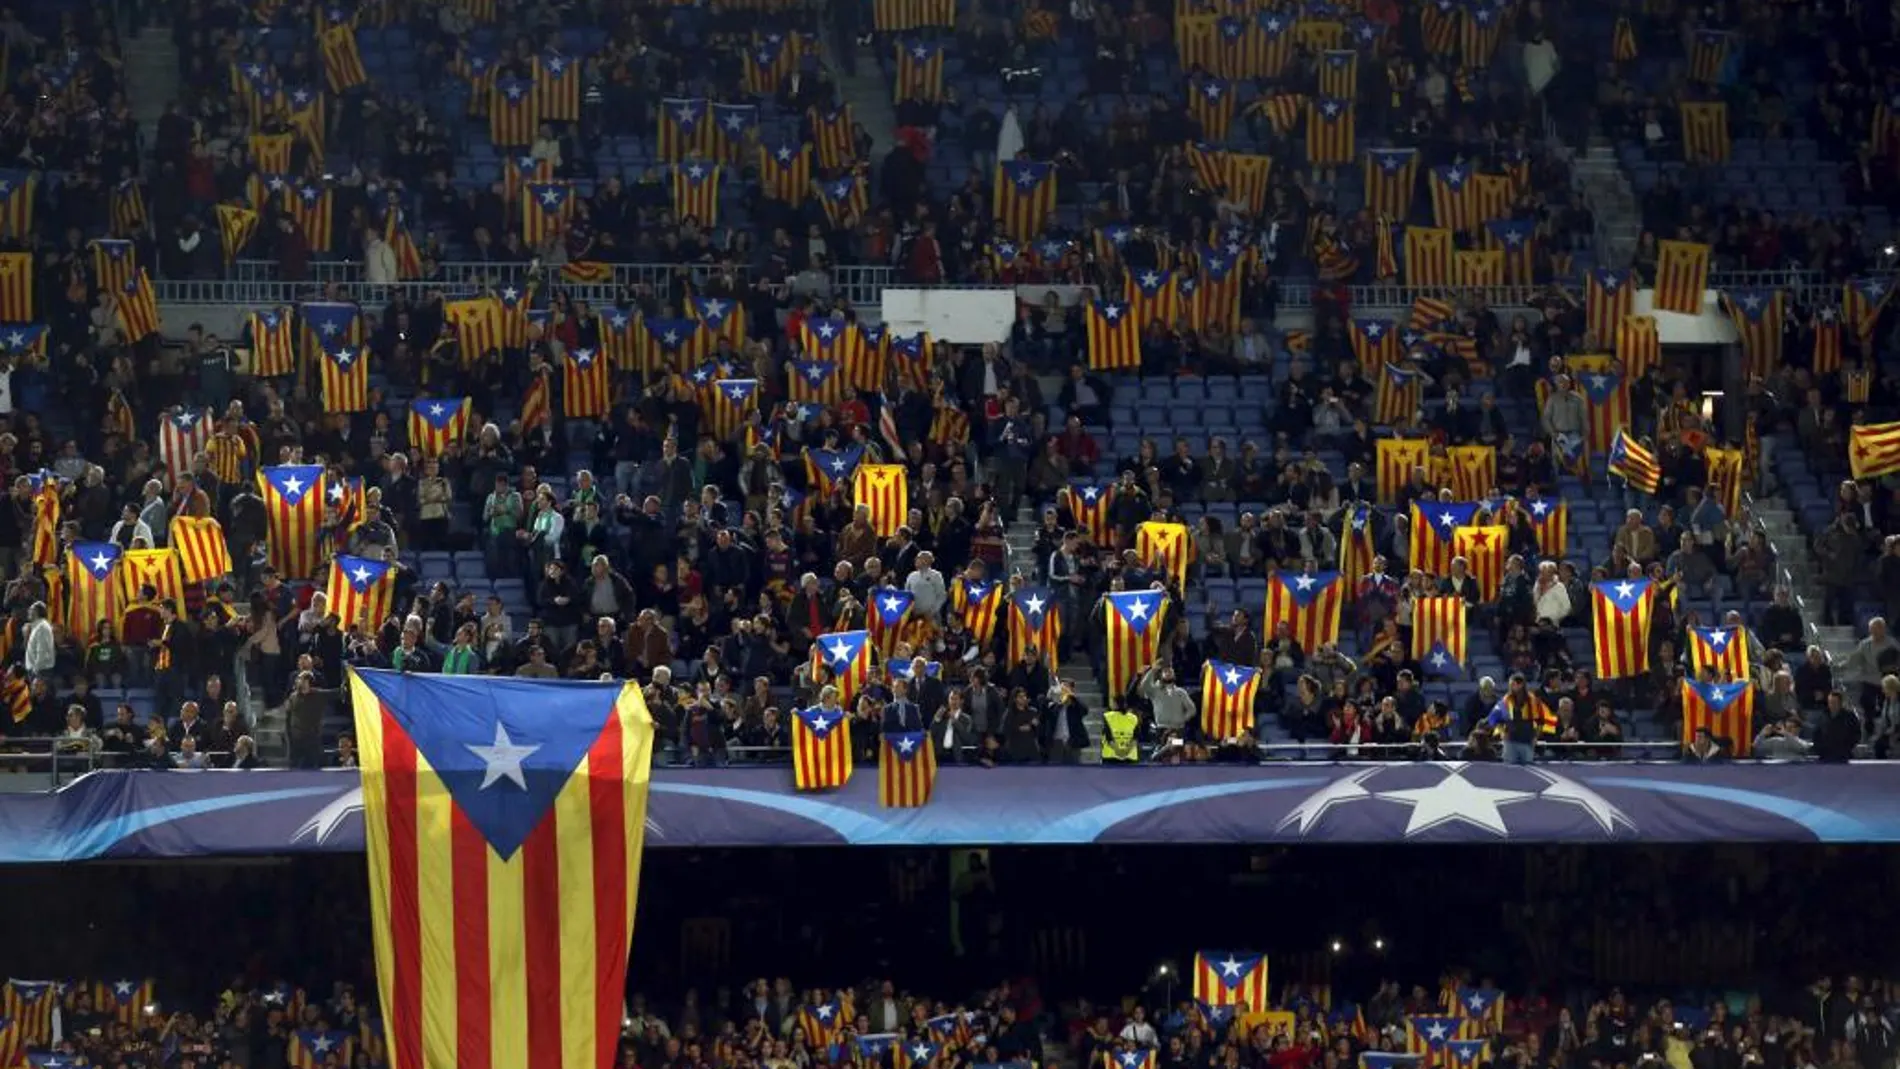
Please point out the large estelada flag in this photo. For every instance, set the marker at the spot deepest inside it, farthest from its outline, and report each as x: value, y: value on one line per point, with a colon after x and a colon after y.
x: 1227, y: 699
x: 1727, y: 710
x: 504, y: 820
x: 906, y: 769
x: 1620, y: 613
x: 1231, y: 978
x: 1725, y: 649
x: 1873, y: 449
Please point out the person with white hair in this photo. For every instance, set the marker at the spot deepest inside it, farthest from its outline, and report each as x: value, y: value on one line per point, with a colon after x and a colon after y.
x: 1549, y: 598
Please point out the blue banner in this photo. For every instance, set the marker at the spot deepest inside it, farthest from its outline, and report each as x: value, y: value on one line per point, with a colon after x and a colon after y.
x: 205, y: 814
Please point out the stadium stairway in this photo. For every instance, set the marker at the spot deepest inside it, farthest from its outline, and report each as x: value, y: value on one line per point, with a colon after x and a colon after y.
x: 1607, y: 188
x: 151, y: 77
x: 1791, y: 548
x: 867, y: 93
x: 1076, y: 666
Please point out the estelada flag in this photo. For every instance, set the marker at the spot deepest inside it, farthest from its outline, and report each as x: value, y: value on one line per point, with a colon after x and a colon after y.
x: 1484, y: 550
x: 1428, y: 256
x: 844, y: 200
x: 202, y: 552
x: 733, y: 128
x: 313, y: 1048
x: 1638, y: 345
x: 1088, y: 503
x: 92, y: 588
x: 1330, y: 138
x: 696, y: 192
x: 1682, y: 275
x: 1308, y: 603
x: 342, y: 63
x: 1396, y: 392
x: 19, y: 192
x: 1394, y: 461
x: 1757, y: 315
x: 138, y: 308
x: 545, y: 210
x: 785, y: 172
x: 1211, y: 105
x: 586, y: 385
x: 1114, y: 339
x: 1166, y: 546
x: 1153, y: 297
x: 1450, y: 187
x: 513, y: 115
x: 1727, y: 710
x: 1231, y: 978
x: 1132, y: 627
x: 1635, y: 463
x: 16, y: 287
x: 883, y: 489
x: 684, y: 128
x: 1873, y: 449
x: 1725, y: 477
x: 123, y: 1000
x: 345, y: 378
x: 919, y: 71
x: 979, y: 602
x: 557, y: 87
x: 1374, y: 341
x: 831, y: 136
x: 31, y: 1004
x: 1024, y: 197
x: 1606, y: 399
x: 1474, y: 471
x: 1035, y: 622
x: 360, y: 590
x: 1438, y: 634
x: 1227, y: 699
x: 113, y: 262
x: 821, y: 748
x: 435, y: 422
x: 1620, y: 615
x: 1517, y: 240
x: 906, y: 769
x: 311, y: 206
x: 1608, y: 296
x: 127, y: 209
x: 1862, y: 301
x: 1705, y: 131
x: 887, y: 615
x: 1391, y: 174
x: 293, y: 512
x: 1724, y: 649
x: 504, y: 821
x: 156, y: 570
x: 236, y: 226
x: 847, y: 656
x: 1550, y: 518
x: 1826, y: 356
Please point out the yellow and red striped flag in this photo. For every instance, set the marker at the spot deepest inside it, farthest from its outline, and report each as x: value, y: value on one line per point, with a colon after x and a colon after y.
x: 696, y: 192
x: 1705, y: 131
x: 1025, y: 197
x: 1708, y: 54
x: 138, y: 308
x: 342, y: 62
x: 1330, y: 132
x: 1035, y: 622
x: 1088, y: 504
x: 16, y: 287
x: 314, y: 1048
x: 685, y: 128
x: 1438, y: 634
x: 127, y: 209
x: 906, y: 769
x: 1397, y: 392
x: 821, y: 748
x: 92, y: 588
x: 1451, y: 197
x: 1374, y: 342
x: 1873, y: 449
x: 546, y: 210
x: 1391, y: 176
x: 1620, y: 615
x: 1231, y: 978
x: 1862, y: 302
x: 361, y: 590
x: 1474, y: 471
x: 1825, y: 358
x: 344, y: 378
x: 1550, y: 518
x: 310, y: 206
x: 1394, y: 459
x: 1726, y: 710
x: 537, y: 407
x: 1517, y: 240
x: 504, y: 821
x: 1434, y: 527
x: 831, y: 137
x: 1484, y: 550
x: 1638, y: 345
x: 236, y: 226
x: 1308, y: 604
x: 844, y: 199
x: 1635, y: 463
x: 919, y: 71
x: 514, y: 116
x: 1606, y: 401
x: 1153, y: 297
x: 1132, y: 627
x: 19, y: 193
x: 122, y: 1000
x: 1211, y: 106
x: 1114, y: 340
x: 1477, y: 268
x: 1428, y: 252
x: 202, y: 552
x: 1227, y: 699
x: 1623, y: 46
x: 1339, y: 74
x: 1608, y: 297
x: 47, y: 508
x: 1682, y: 275
x: 785, y: 172
x: 477, y: 323
x: 435, y: 422
x: 1725, y: 468
x: 293, y: 513
x: 1167, y: 547
x: 557, y: 87
x: 586, y: 385
x: 884, y: 489
x: 273, y: 343
x: 1724, y: 649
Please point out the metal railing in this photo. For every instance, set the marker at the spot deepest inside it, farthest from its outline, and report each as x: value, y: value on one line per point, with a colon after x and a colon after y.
x: 1784, y: 577
x: 255, y: 282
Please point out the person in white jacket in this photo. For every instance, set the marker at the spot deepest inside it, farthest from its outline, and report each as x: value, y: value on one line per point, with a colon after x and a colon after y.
x: 42, y: 651
x: 927, y: 587
x: 379, y: 260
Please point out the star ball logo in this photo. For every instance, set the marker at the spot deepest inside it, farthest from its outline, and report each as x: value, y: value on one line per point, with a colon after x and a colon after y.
x: 1455, y: 801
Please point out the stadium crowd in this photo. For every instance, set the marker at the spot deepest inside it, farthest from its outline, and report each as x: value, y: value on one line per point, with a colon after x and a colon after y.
x: 703, y: 555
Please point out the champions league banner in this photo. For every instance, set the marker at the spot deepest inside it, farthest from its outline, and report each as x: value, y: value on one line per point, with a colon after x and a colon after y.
x: 212, y: 813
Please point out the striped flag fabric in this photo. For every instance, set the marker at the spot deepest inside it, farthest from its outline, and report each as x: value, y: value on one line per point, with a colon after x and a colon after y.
x: 1397, y: 393
x: 1623, y: 47
x: 831, y: 136
x: 719, y: 319
x: 314, y: 1048
x: 138, y: 308
x: 31, y: 1005
x: 514, y: 114
x: 1682, y: 276
x: 1216, y: 296
x: 785, y: 172
x: 1035, y: 622
x: 919, y: 71
x: 1873, y: 449
x: 1227, y: 699
x: 1428, y: 256
x: 21, y: 341
x: 883, y: 489
x: 1550, y: 518
x: 1638, y: 345
x: 1862, y: 301
x: 844, y: 200
x: 92, y: 588
x: 1356, y: 545
x: 1725, y: 476
x: 685, y: 128
x: 19, y: 196
x: 127, y: 209
x: 886, y: 618
x: 1394, y: 460
x: 1430, y: 1038
x: 847, y: 656
x: 1482, y: 1006
x: 1723, y: 649
x: 1517, y: 240
x: 1438, y: 634
x: 696, y: 192
x: 1619, y: 616
x: 557, y: 87
x: 329, y: 323
x: 311, y: 205
x: 1210, y: 103
x: 906, y: 771
x: 546, y: 209
x: 817, y: 382
x: 733, y: 128
x: 1024, y: 197
x: 360, y: 590
x: 1726, y: 710
x: 823, y: 337
x: 1484, y: 550
x: 156, y: 570
x: 477, y: 322
x: 1308, y: 604
x: 979, y: 603
x: 1167, y: 547
x: 821, y: 749
x: 1374, y: 341
x: 1231, y: 978
x: 16, y: 287
x: 122, y: 1000
x: 1089, y: 504
x: 1114, y: 338
x: 586, y: 385
x: 829, y: 471
x: 1757, y: 315
x: 1708, y: 54
x: 345, y: 378
x: 1391, y: 176
x: 725, y: 404
x: 1434, y: 524
x: 1705, y: 137
x: 1450, y: 187
x: 182, y: 434
x: 1636, y: 463
x: 1606, y: 401
x: 504, y: 821
x: 114, y: 261
x: 273, y: 343
x: 1153, y: 297
x: 202, y: 552
x: 47, y: 507
x: 1132, y: 629
x: 436, y: 422
x: 1477, y: 268
x: 1608, y: 297
x: 1330, y: 135
x: 1474, y: 471
x: 1825, y: 358
x: 293, y: 511
x: 342, y: 62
